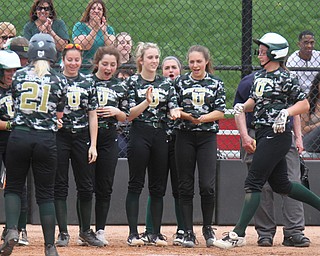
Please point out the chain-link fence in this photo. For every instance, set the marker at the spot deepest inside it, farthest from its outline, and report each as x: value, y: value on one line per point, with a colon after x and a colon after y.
x: 225, y: 27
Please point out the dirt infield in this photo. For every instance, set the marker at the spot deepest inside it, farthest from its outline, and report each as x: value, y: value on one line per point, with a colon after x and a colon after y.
x: 116, y: 235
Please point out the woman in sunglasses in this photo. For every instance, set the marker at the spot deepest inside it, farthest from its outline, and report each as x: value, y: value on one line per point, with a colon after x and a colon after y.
x: 43, y: 19
x: 76, y: 141
x: 7, y: 31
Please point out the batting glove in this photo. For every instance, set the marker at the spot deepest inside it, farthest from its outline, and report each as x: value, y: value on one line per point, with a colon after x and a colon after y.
x: 279, y: 125
x: 238, y: 108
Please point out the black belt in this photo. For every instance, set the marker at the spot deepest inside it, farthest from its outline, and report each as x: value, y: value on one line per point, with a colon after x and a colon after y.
x: 155, y: 125
x: 74, y: 130
x: 28, y: 129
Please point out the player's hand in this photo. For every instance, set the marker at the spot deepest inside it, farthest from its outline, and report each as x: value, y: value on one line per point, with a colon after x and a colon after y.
x: 249, y: 144
x: 238, y: 108
x: 175, y: 113
x: 92, y: 154
x: 59, y: 123
x: 279, y: 125
x: 149, y: 94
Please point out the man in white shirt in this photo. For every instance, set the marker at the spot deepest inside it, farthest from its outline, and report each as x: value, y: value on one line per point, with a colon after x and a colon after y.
x: 306, y: 56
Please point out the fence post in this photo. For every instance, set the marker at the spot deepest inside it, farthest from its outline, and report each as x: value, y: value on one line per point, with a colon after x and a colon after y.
x: 246, y: 60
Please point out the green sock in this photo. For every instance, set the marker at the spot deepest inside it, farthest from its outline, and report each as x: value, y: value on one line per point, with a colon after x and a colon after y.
x: 250, y: 205
x: 207, y: 206
x: 48, y: 221
x: 78, y: 214
x: 132, y: 210
x: 85, y: 214
x: 156, y: 209
x: 61, y: 214
x: 178, y: 214
x: 22, y: 223
x: 301, y: 193
x: 148, y: 217
x: 12, y: 209
x: 102, y: 209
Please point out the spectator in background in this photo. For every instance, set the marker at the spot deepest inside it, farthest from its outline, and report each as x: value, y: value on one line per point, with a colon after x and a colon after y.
x: 310, y: 122
x: 93, y: 30
x: 305, y: 57
x: 123, y: 43
x: 7, y: 31
x: 43, y: 19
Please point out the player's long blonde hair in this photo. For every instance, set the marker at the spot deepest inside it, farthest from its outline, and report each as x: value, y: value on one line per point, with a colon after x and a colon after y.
x: 140, y: 51
x: 41, y: 67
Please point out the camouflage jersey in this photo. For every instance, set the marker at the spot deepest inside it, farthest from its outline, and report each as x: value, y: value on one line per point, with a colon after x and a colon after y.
x: 113, y: 93
x: 272, y: 92
x: 199, y: 97
x: 36, y: 99
x: 81, y: 98
x: 6, y: 104
x: 164, y: 97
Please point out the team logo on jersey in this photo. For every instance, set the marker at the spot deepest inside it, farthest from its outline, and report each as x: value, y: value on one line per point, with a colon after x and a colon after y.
x: 198, y: 95
x: 155, y: 98
x: 103, y: 95
x: 260, y: 85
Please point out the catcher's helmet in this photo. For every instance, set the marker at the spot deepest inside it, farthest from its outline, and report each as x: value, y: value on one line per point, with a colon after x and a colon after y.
x: 278, y: 46
x: 42, y: 47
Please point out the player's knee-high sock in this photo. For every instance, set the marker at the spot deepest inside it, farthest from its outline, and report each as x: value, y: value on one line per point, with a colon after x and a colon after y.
x: 178, y: 214
x: 250, y: 205
x: 78, y: 213
x: 186, y: 206
x: 85, y: 207
x: 48, y: 221
x: 301, y: 193
x: 132, y: 210
x: 207, y: 206
x: 61, y: 214
x: 149, y: 228
x: 102, y: 209
x: 156, y: 209
x: 22, y: 223
x: 12, y: 209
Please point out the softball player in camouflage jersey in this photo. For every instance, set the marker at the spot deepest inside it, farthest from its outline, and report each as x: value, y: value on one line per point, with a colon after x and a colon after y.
x: 112, y: 101
x: 150, y: 98
x: 202, y: 97
x: 275, y: 95
x: 171, y: 67
x: 36, y: 92
x: 76, y: 141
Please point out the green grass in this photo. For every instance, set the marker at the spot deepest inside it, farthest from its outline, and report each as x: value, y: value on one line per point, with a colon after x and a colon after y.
x: 177, y: 24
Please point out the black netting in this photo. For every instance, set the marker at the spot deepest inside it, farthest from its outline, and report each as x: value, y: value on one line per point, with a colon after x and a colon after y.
x: 225, y: 27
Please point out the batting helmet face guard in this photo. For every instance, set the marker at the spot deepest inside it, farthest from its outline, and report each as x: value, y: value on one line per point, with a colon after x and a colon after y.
x: 278, y: 46
x: 42, y: 47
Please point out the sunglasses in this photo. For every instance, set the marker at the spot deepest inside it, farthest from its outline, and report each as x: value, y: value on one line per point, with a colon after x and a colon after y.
x: 6, y: 37
x: 45, y: 8
x: 73, y: 46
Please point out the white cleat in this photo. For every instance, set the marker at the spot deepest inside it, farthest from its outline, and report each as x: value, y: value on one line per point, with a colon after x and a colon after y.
x: 230, y: 240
